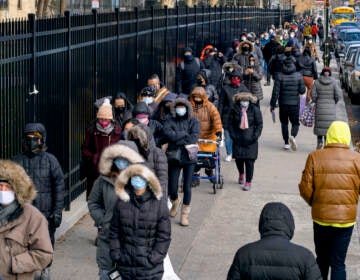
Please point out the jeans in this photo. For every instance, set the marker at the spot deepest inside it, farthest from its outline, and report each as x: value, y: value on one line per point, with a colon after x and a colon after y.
x: 331, y: 246
x: 228, y: 142
x: 289, y: 112
x: 173, y: 186
x: 103, y: 274
x: 249, y: 167
x: 321, y: 139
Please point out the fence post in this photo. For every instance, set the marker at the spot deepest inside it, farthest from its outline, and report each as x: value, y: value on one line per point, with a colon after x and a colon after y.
x: 202, y: 24
x: 220, y: 25
x: 177, y: 32
x: 165, y: 42
x: 117, y: 16
x: 69, y: 62
x: 187, y: 27
x: 210, y: 10
x: 136, y: 49
x: 195, y: 25
x: 95, y: 74
x: 32, y: 100
x: 152, y: 39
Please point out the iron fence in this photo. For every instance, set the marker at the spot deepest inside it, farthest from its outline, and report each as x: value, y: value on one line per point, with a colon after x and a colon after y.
x: 52, y: 70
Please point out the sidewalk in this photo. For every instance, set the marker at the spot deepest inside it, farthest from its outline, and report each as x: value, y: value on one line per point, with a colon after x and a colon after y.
x: 221, y: 223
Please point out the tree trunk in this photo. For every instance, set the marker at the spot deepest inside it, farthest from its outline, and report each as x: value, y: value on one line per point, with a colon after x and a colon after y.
x: 45, y: 8
x: 40, y: 8
x: 213, y: 3
x: 169, y: 3
x: 62, y: 7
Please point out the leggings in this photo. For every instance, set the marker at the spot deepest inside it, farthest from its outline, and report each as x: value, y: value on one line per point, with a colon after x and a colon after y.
x: 249, y: 167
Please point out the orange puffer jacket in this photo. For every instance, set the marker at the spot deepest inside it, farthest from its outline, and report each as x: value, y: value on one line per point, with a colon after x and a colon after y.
x: 208, y: 117
x: 330, y: 184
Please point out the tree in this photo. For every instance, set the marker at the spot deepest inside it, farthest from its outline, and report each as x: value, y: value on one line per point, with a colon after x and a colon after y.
x: 50, y: 7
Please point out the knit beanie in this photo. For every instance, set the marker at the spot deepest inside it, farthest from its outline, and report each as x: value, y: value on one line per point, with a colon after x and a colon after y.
x: 105, y: 111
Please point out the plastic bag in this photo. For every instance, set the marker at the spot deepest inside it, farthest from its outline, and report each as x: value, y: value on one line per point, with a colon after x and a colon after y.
x: 308, y: 116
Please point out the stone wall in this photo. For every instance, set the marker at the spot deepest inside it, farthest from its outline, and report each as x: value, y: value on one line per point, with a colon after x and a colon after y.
x: 13, y: 11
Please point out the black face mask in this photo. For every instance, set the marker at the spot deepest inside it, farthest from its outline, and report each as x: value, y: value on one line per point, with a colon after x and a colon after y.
x: 199, y: 81
x: 287, y: 54
x: 245, y: 49
x: 119, y: 110
x: 198, y: 102
x: 167, y: 109
x: 32, y: 145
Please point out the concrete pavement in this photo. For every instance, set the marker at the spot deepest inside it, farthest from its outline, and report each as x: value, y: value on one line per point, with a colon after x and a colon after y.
x: 221, y: 223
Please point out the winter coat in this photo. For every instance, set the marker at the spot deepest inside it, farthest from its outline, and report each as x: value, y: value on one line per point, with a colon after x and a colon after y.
x: 288, y: 86
x: 210, y: 89
x: 258, y: 53
x: 313, y: 50
x: 226, y: 101
x: 124, y: 116
x: 330, y: 182
x: 214, y: 64
x: 270, y: 49
x: 209, y: 119
x: 275, y: 65
x: 161, y: 93
x: 140, y: 231
x: 160, y: 114
x: 245, y: 141
x: 45, y: 171
x: 181, y: 131
x: 253, y: 82
x: 24, y: 240
x: 308, y: 66
x: 321, y: 30
x: 274, y: 256
x: 243, y: 59
x: 325, y: 93
x: 186, y: 75
x: 102, y: 199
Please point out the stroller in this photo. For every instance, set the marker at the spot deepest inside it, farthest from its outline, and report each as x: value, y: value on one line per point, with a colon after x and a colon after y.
x: 210, y: 160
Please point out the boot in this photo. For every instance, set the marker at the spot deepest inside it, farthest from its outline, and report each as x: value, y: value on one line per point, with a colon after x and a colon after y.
x: 185, y: 211
x: 174, y: 207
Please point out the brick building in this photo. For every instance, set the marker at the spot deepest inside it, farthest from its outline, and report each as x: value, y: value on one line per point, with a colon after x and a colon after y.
x: 16, y: 8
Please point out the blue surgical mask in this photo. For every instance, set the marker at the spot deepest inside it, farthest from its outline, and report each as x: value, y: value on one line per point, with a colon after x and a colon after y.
x: 138, y: 182
x: 148, y: 100
x: 121, y: 163
x: 124, y: 134
x: 244, y: 103
x: 180, y: 111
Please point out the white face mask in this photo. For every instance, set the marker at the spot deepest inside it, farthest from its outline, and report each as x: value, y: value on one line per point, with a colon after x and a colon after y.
x: 292, y: 35
x: 252, y: 63
x: 310, y: 41
x: 148, y: 100
x: 181, y: 111
x: 6, y: 197
x: 244, y: 103
x: 243, y: 38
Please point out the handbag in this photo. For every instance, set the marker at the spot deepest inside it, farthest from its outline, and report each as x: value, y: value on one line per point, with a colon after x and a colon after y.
x: 173, y: 156
x: 192, y: 150
x: 307, y: 118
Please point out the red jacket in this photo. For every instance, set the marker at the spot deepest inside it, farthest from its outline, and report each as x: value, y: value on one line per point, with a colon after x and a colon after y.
x: 314, y: 30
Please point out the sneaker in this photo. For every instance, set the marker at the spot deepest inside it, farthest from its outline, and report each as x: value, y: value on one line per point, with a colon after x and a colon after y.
x: 286, y: 147
x: 293, y: 143
x: 247, y: 186
x: 241, y: 180
x: 228, y: 158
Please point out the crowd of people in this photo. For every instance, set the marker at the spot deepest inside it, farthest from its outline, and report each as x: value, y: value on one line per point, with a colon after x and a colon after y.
x: 133, y: 155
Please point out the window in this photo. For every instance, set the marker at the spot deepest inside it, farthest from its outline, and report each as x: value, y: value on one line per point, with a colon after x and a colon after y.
x: 3, y: 4
x: 19, y: 5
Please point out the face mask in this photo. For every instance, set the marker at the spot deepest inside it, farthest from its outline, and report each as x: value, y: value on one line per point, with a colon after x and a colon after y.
x: 235, y: 82
x: 244, y: 103
x: 32, y: 144
x: 287, y: 54
x: 104, y: 123
x: 243, y: 38
x: 199, y: 81
x: 292, y: 35
x: 310, y: 41
x: 245, y: 49
x: 124, y: 134
x: 266, y: 37
x: 6, y: 197
x: 138, y: 183
x: 144, y: 121
x: 252, y: 63
x: 281, y: 38
x: 148, y: 100
x: 121, y: 163
x: 188, y: 57
x: 119, y: 110
x: 198, y: 101
x: 180, y: 111
x: 326, y: 74
x: 167, y: 110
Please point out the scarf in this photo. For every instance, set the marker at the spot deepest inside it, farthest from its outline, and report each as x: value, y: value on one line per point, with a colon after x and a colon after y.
x: 107, y: 130
x: 244, y: 124
x: 6, y: 212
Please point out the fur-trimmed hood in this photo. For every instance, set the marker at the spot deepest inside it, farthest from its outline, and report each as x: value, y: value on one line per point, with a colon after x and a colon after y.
x: 18, y: 179
x: 184, y: 102
x: 114, y: 151
x: 198, y: 92
x: 244, y: 96
x: 141, y: 133
x: 137, y: 170
x: 247, y: 43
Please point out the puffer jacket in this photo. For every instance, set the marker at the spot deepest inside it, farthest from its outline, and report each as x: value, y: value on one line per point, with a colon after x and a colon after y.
x: 45, y: 171
x: 24, y: 239
x: 186, y: 76
x: 140, y: 231
x: 308, y: 66
x: 214, y: 64
x: 102, y: 199
x: 275, y: 65
x: 288, y: 86
x: 330, y: 182
x: 243, y: 59
x: 325, y: 93
x: 245, y: 141
x: 181, y: 131
x: 252, y: 82
x: 208, y: 117
x: 274, y: 256
x: 270, y: 49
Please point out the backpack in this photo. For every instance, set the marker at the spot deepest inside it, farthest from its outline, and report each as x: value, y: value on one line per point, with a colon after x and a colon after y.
x: 182, y: 64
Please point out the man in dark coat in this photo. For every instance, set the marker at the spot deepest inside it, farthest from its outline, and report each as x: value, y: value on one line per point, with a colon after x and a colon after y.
x: 214, y: 63
x: 268, y: 51
x: 274, y: 256
x: 186, y: 72
x: 286, y: 90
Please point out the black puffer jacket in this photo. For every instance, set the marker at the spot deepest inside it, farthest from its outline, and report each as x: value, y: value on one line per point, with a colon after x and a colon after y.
x: 288, y: 86
x: 45, y: 171
x: 186, y: 75
x: 226, y: 101
x: 276, y: 64
x: 270, y: 49
x: 214, y: 64
x: 181, y: 131
x: 140, y: 231
x: 308, y: 66
x: 273, y: 256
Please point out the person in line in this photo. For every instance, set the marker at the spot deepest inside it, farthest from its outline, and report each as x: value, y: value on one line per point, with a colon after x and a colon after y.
x: 330, y: 185
x: 181, y: 129
x: 148, y: 96
x: 246, y: 49
x: 311, y: 45
x: 24, y: 236
x: 211, y: 91
x: 103, y: 133
x: 214, y: 63
x: 252, y: 78
x: 309, y: 71
x: 274, y: 256
x: 245, y: 127
x: 122, y: 108
x: 268, y: 51
x: 276, y: 62
x: 140, y: 231
x: 163, y: 110
x: 325, y: 94
x: 160, y: 87
x: 286, y: 91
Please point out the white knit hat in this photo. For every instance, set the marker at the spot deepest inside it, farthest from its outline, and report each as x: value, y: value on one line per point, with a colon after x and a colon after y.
x: 105, y: 110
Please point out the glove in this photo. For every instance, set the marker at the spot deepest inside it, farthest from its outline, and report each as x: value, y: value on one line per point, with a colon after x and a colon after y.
x: 218, y: 136
x: 57, y: 218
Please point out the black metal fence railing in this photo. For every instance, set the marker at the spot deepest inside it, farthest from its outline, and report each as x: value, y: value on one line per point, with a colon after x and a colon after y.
x: 52, y: 70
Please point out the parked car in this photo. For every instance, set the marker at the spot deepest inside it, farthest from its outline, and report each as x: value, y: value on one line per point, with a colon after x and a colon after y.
x: 342, y: 73
x: 346, y: 38
x: 352, y: 75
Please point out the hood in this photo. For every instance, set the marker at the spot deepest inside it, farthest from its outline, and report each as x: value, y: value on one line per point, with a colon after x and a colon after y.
x: 244, y: 96
x: 198, y: 92
x: 100, y: 101
x: 36, y: 127
x: 140, y: 108
x: 243, y: 43
x: 305, y: 61
x: 184, y: 102
x: 139, y: 170
x: 289, y: 65
x: 205, y: 73
x: 338, y: 133
x: 142, y: 137
x: 122, y: 95
x: 18, y: 179
x: 170, y: 97
x: 276, y: 219
x: 125, y: 150
x: 229, y: 67
x: 325, y: 80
